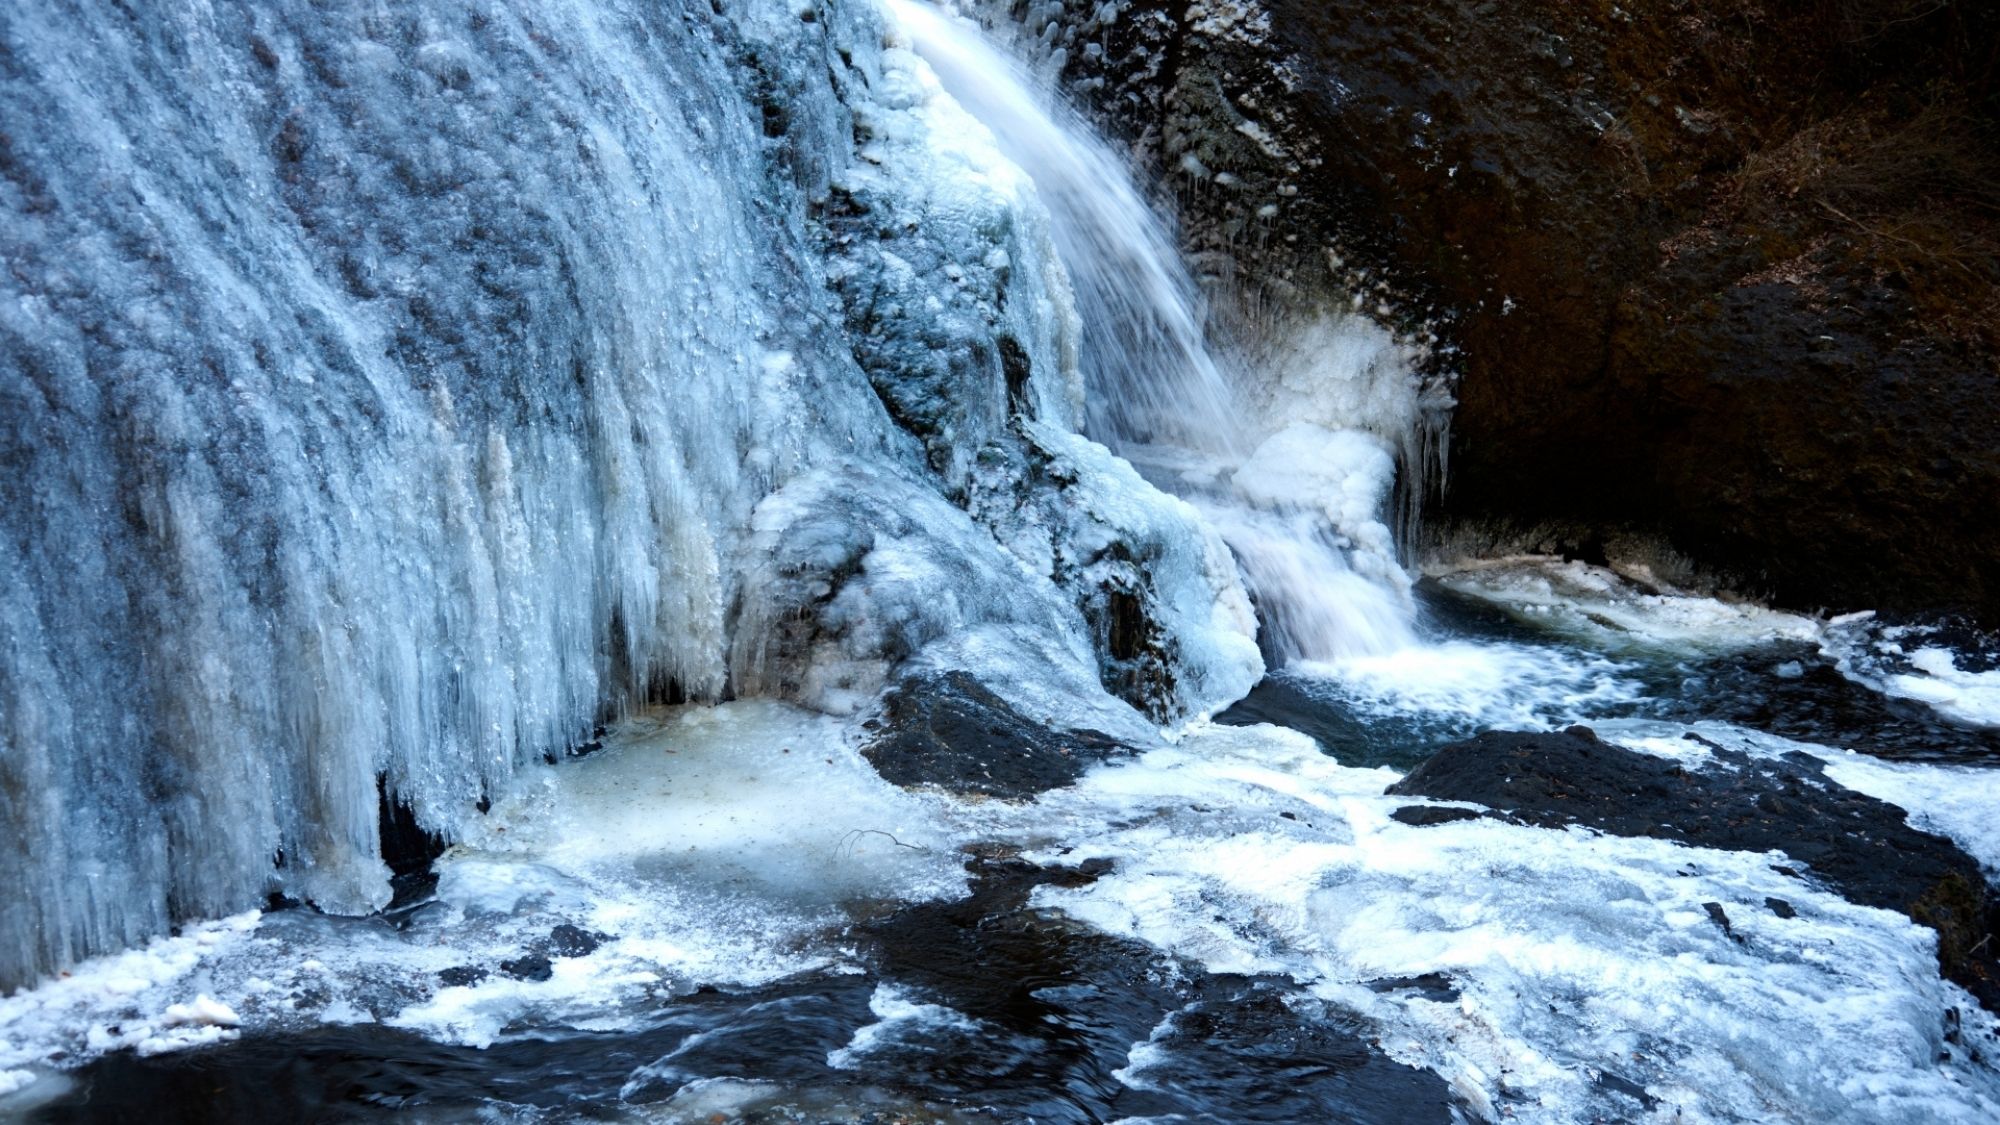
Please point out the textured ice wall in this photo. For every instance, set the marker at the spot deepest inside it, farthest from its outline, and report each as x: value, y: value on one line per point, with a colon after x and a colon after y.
x: 386, y: 391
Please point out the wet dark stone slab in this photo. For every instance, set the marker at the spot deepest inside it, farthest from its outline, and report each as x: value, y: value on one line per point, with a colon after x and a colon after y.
x: 1286, y: 702
x: 1423, y: 815
x: 1430, y: 986
x: 1857, y: 846
x: 951, y: 731
x: 1060, y: 1007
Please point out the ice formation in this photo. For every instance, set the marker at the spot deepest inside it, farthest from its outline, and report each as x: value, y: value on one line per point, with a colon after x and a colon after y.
x: 388, y: 395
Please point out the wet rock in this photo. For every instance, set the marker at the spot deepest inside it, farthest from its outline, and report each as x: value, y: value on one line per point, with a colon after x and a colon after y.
x: 949, y: 730
x: 460, y: 976
x: 1781, y: 908
x: 1286, y: 702
x: 1430, y: 986
x: 1674, y: 322
x: 408, y: 848
x: 1059, y: 1005
x: 1620, y: 1085
x: 574, y: 941
x: 1725, y: 285
x: 1421, y: 815
x: 1720, y: 917
x: 1857, y: 846
x: 529, y: 966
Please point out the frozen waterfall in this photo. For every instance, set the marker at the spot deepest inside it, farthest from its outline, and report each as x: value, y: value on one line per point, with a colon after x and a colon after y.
x: 388, y: 395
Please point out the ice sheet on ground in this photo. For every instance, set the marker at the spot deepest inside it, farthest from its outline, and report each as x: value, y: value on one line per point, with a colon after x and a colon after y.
x: 1908, y: 662
x: 705, y: 845
x: 898, y: 1016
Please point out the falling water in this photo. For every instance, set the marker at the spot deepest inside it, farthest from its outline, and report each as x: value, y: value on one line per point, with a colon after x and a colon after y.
x: 1293, y: 466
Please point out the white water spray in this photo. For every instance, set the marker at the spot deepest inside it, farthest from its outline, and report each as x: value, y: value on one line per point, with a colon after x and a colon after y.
x: 1294, y: 466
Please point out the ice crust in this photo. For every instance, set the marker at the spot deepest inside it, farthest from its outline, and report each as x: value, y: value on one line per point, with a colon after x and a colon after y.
x: 1958, y: 802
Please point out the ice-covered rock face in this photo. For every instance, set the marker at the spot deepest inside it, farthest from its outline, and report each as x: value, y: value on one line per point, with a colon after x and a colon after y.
x: 384, y: 394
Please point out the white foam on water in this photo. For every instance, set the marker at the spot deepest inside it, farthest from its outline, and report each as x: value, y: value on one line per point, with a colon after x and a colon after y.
x: 1612, y: 610
x: 1484, y: 684
x: 898, y: 1017
x: 1901, y: 661
x: 1576, y: 953
x: 710, y: 1100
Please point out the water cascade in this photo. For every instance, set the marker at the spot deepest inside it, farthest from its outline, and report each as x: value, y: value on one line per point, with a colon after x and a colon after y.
x: 1293, y: 466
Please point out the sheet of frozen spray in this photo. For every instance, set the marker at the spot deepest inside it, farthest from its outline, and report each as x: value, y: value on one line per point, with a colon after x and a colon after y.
x: 1912, y: 661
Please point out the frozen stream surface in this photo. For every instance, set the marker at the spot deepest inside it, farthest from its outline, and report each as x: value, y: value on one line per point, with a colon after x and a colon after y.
x: 481, y: 480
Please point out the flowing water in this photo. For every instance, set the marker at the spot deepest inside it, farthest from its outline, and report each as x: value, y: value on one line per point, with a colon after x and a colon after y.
x: 548, y: 429
x: 1293, y: 468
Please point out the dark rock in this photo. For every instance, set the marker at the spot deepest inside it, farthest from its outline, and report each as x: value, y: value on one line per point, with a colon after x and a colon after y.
x: 1673, y: 320
x: 528, y: 966
x: 574, y: 941
x: 408, y: 848
x: 1430, y: 986
x: 461, y: 975
x: 1069, y: 1002
x: 1421, y: 815
x: 1781, y: 908
x: 949, y: 730
x: 1287, y: 702
x: 1620, y: 1085
x: 1855, y: 845
x: 1720, y: 917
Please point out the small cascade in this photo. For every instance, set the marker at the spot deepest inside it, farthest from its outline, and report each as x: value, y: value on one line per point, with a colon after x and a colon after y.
x: 1294, y: 460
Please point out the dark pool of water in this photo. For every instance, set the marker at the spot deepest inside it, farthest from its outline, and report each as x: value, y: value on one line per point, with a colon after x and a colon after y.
x: 1053, y: 1011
